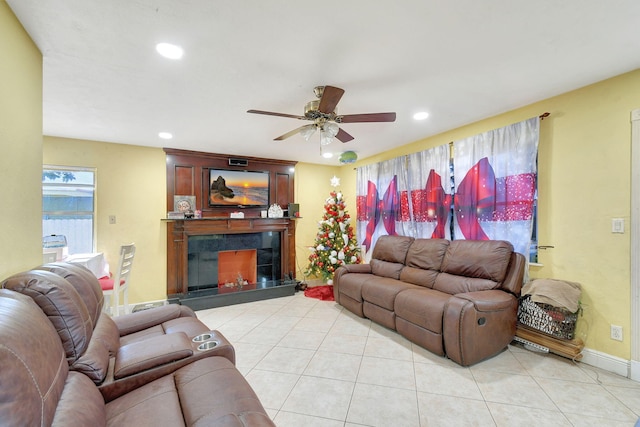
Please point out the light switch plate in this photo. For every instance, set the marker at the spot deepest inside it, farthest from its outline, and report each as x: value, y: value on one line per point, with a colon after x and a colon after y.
x: 617, y: 225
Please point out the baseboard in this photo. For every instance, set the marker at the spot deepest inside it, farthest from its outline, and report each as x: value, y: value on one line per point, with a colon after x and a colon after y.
x: 610, y: 363
x: 635, y: 371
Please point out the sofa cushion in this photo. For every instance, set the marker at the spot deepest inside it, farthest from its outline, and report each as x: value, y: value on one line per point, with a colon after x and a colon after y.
x: 382, y: 291
x: 427, y: 254
x: 386, y: 269
x: 418, y: 276
x: 392, y: 248
x: 482, y: 259
x: 61, y: 303
x: 422, y: 307
x: 84, y: 282
x: 452, y: 284
x: 351, y: 285
x: 209, y: 392
x: 91, y: 412
x: 33, y: 365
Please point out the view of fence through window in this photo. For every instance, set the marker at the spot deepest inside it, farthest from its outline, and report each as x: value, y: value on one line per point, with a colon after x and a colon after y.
x: 68, y: 200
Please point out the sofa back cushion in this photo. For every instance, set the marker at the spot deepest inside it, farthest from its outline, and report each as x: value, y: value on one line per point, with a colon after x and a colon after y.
x: 423, y: 261
x: 389, y: 254
x: 84, y: 282
x: 427, y: 254
x: 392, y: 248
x: 37, y: 387
x: 473, y: 265
x: 33, y: 366
x: 61, y: 304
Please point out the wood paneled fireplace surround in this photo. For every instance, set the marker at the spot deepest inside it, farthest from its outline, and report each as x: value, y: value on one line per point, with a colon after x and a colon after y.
x: 218, y: 260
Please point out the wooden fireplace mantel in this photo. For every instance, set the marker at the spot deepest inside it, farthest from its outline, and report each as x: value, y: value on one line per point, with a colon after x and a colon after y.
x: 188, y: 175
x: 178, y: 232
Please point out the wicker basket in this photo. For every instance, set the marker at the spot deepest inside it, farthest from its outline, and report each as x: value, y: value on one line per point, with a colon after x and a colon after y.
x: 555, y: 321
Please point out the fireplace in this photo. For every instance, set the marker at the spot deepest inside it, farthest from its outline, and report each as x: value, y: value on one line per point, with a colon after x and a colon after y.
x: 217, y: 262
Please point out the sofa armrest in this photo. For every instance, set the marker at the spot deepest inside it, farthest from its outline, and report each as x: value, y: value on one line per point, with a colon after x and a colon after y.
x: 143, y: 355
x: 346, y: 269
x: 134, y: 322
x: 478, y: 325
x: 515, y: 275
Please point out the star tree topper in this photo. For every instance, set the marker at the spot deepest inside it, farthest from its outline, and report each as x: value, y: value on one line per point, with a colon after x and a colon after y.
x: 335, y: 181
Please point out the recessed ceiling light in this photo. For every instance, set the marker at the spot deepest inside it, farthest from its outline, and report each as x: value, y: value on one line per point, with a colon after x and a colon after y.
x: 165, y: 135
x: 327, y: 155
x: 169, y: 50
x: 421, y: 115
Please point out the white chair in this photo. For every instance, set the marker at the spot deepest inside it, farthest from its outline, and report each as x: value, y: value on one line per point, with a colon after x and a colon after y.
x: 119, y: 283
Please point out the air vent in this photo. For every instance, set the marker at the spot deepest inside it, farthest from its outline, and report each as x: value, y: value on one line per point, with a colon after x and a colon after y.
x: 238, y: 162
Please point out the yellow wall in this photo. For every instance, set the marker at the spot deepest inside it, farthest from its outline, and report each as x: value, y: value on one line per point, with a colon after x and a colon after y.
x: 21, y: 145
x: 131, y: 184
x: 313, y: 185
x: 584, y: 181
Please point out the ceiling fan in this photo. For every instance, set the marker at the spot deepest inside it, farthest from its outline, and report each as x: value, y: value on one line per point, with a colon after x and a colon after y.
x: 322, y: 113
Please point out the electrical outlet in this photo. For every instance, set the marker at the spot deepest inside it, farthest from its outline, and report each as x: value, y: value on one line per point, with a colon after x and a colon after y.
x: 112, y: 219
x: 616, y: 333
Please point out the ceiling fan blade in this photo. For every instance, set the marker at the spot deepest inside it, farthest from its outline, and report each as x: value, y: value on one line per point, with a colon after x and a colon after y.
x: 293, y: 132
x: 330, y: 97
x: 367, y: 118
x: 269, y: 113
x: 343, y: 136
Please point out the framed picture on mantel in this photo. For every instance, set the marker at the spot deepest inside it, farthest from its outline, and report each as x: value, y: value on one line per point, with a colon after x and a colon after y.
x: 184, y: 203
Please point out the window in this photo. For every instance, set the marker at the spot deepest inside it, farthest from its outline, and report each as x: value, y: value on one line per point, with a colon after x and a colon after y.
x: 68, y: 206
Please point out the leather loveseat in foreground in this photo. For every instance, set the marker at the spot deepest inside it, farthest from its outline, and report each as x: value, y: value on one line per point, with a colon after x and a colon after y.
x: 455, y: 298
x: 64, y: 362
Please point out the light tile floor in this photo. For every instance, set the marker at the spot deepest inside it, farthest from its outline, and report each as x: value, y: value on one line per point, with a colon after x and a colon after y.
x: 314, y: 364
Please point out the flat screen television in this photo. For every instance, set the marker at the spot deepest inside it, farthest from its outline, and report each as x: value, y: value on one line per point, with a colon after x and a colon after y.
x: 238, y: 188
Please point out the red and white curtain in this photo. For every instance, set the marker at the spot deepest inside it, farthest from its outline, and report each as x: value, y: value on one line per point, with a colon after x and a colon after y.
x: 493, y: 196
x: 495, y: 182
x: 408, y: 196
x: 378, y: 202
x: 430, y: 189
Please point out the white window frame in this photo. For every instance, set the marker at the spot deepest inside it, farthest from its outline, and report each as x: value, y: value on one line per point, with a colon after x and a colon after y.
x: 93, y: 213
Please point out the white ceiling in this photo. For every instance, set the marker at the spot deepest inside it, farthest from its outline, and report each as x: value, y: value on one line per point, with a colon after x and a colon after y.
x: 460, y: 60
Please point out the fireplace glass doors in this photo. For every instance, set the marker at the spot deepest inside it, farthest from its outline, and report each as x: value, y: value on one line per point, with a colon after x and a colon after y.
x: 223, y: 263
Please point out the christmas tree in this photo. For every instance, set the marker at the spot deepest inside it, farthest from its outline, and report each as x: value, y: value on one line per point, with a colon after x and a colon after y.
x: 335, y: 243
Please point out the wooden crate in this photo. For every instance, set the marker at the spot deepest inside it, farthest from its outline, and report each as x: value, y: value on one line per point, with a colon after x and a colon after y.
x: 571, y: 349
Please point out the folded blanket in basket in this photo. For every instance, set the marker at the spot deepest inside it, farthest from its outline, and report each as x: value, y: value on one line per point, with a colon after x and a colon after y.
x: 558, y: 293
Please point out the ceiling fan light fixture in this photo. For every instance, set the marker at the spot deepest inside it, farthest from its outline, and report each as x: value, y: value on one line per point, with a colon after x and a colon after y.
x: 307, y: 132
x: 331, y: 129
x: 170, y: 51
x: 325, y: 138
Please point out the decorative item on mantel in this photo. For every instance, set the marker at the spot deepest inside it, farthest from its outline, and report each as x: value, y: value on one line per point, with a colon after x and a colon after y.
x: 275, y: 211
x: 236, y: 214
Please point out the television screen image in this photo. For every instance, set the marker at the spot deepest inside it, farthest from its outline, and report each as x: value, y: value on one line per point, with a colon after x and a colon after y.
x: 238, y: 188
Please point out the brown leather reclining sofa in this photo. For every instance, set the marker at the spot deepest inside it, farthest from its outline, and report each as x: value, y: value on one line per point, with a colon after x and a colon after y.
x: 456, y: 298
x: 65, y: 362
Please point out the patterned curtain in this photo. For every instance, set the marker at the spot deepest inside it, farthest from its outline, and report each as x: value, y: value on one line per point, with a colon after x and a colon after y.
x: 430, y: 188
x: 495, y: 176
x: 380, y: 187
